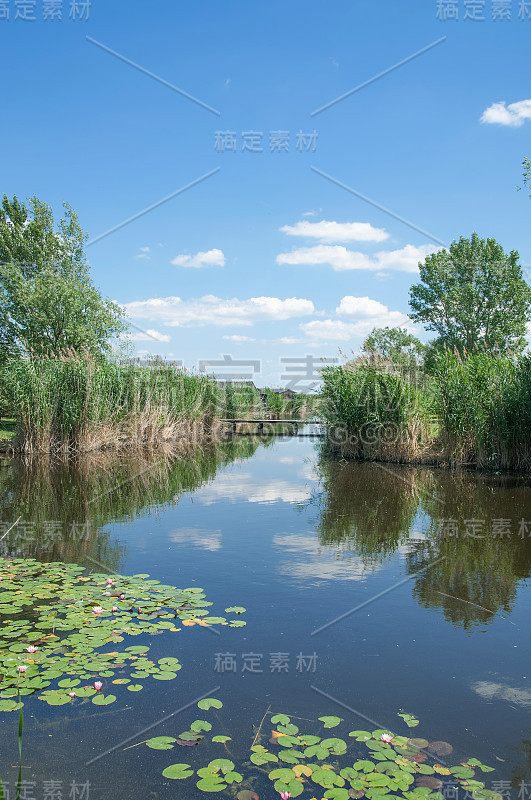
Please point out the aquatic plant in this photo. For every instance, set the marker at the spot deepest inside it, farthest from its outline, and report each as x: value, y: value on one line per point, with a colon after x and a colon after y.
x: 71, y: 402
x: 57, y: 620
x: 483, y: 401
x: 297, y: 762
x: 374, y: 413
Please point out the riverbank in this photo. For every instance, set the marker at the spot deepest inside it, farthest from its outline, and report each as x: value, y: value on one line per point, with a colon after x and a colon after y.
x: 73, y: 403
x: 473, y: 411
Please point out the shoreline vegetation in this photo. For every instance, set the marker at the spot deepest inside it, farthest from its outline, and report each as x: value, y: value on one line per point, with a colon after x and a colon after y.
x: 471, y: 410
x: 74, y: 403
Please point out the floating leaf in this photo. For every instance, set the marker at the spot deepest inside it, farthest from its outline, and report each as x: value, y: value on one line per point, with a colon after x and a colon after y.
x: 178, y: 771
x: 200, y: 725
x: 419, y: 744
x: 235, y: 610
x: 103, y: 699
x: 302, y: 769
x: 161, y: 743
x: 330, y: 722
x: 361, y: 736
x: 209, y: 702
x: 246, y: 794
x: 221, y: 739
x: 164, y: 676
x: 288, y: 729
x: 280, y: 719
x: 409, y: 719
x: 337, y: 794
x: 462, y: 772
x: 135, y: 687
x: 263, y: 758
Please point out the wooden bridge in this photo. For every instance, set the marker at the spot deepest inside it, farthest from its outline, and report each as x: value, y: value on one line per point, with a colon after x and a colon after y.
x: 293, y: 423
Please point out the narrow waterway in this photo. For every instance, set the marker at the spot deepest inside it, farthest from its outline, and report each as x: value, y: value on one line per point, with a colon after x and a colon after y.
x: 370, y: 589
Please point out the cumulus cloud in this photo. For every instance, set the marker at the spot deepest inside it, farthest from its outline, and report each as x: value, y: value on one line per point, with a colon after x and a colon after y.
x: 235, y: 337
x: 337, y: 231
x: 341, y: 259
x: 365, y: 314
x: 210, y: 258
x: 361, y: 307
x: 211, y: 310
x: 514, y: 115
x: 149, y: 335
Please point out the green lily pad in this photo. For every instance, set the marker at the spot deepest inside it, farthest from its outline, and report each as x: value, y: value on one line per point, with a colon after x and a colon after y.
x: 200, y: 725
x: 178, y: 771
x: 209, y: 702
x: 103, y: 699
x: 161, y: 743
x: 280, y: 719
x: 330, y: 722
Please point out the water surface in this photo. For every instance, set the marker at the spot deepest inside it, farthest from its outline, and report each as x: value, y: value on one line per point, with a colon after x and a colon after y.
x: 368, y: 588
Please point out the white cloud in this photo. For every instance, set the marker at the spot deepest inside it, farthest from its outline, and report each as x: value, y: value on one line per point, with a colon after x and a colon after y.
x: 237, y: 338
x: 144, y: 253
x: 242, y: 487
x: 489, y: 690
x: 201, y: 538
x: 149, y: 335
x: 514, y: 115
x: 211, y: 310
x: 366, y: 314
x: 321, y: 563
x: 361, y: 307
x: 210, y: 258
x: 337, y: 231
x: 340, y: 259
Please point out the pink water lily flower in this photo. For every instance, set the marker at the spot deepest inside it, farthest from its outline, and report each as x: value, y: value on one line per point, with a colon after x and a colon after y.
x: 386, y: 737
x: 98, y: 685
x: 71, y: 694
x: 31, y: 649
x: 114, y: 609
x: 122, y: 597
x: 97, y: 610
x: 109, y: 581
x: 285, y: 795
x: 22, y: 668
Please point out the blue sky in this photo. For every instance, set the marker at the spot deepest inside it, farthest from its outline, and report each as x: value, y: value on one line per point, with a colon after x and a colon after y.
x: 242, y: 263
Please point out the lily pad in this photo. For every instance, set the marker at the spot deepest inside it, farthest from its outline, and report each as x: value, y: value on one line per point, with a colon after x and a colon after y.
x: 209, y: 702
x: 330, y: 722
x: 178, y: 771
x: 161, y: 743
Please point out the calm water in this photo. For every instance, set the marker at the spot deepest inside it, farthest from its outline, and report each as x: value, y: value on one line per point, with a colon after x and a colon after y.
x: 299, y: 543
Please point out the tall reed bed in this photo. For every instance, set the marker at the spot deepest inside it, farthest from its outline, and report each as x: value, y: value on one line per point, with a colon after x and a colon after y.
x: 484, y: 404
x: 374, y: 414
x: 72, y: 402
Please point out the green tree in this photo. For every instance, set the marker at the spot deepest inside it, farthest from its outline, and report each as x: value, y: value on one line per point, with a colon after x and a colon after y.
x: 396, y: 345
x: 48, y: 301
x: 473, y: 296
